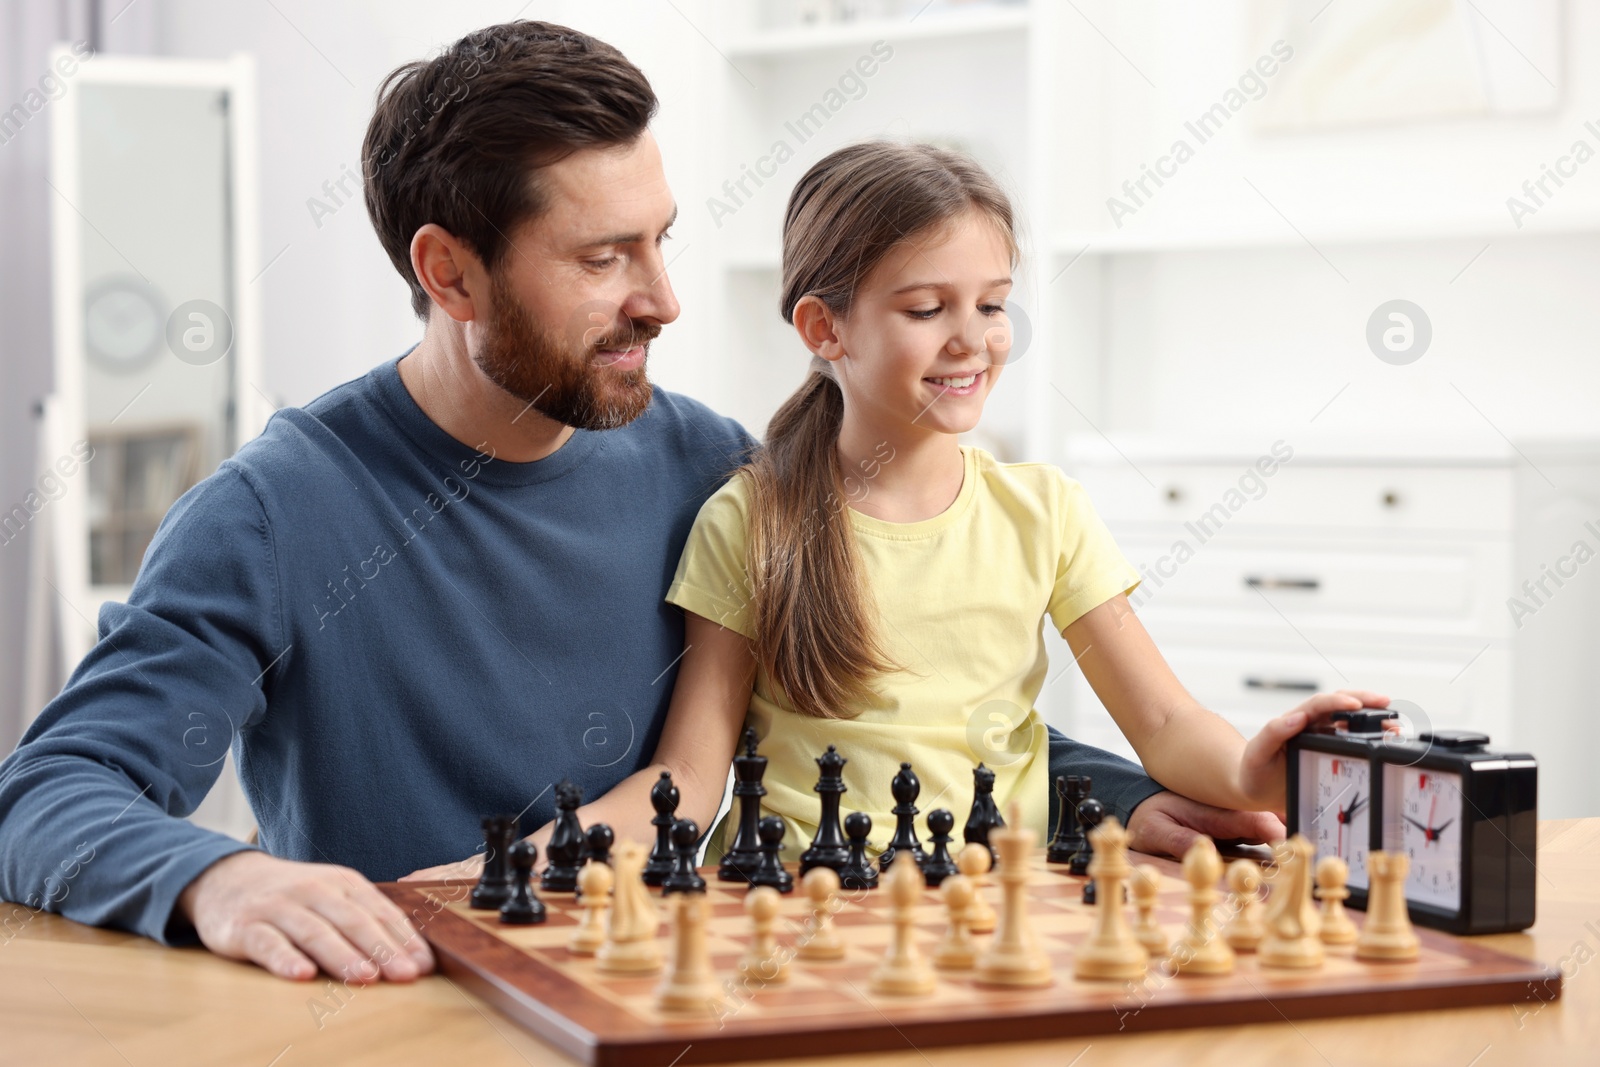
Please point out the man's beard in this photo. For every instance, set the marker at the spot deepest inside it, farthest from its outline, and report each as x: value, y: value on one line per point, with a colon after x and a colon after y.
x: 564, y: 377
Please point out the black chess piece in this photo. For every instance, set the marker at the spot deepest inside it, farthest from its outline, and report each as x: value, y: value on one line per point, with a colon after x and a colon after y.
x: 828, y: 848
x: 664, y: 798
x: 938, y: 865
x: 524, y: 908
x: 597, y: 842
x: 494, y: 884
x: 1090, y: 814
x: 742, y: 859
x: 771, y: 872
x: 985, y: 814
x: 565, y: 849
x: 1072, y: 789
x: 684, y: 878
x: 905, y: 787
x: 858, y: 871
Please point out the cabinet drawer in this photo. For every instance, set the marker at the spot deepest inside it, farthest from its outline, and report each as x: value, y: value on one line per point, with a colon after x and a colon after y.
x: 1446, y: 589
x: 1202, y: 499
x: 1249, y: 686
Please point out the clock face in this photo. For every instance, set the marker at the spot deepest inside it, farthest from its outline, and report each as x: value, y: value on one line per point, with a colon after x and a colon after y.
x: 1336, y: 802
x: 1425, y: 823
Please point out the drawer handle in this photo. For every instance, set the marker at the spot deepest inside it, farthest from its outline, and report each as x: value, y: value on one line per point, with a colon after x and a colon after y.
x: 1280, y: 683
x: 1255, y: 582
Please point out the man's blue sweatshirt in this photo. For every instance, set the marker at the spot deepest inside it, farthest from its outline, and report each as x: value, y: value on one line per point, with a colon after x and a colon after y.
x: 394, y: 633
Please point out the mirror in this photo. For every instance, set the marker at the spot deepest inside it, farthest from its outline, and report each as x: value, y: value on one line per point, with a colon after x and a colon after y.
x: 153, y: 222
x: 158, y: 369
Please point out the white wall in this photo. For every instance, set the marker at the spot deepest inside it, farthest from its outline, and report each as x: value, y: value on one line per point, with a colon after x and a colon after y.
x: 334, y: 306
x: 1261, y: 338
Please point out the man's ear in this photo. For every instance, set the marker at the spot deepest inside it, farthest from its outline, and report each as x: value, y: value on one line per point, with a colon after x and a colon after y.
x: 449, y: 271
x: 818, y: 328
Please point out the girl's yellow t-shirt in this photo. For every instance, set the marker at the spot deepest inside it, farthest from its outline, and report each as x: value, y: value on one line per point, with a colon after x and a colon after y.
x: 961, y: 600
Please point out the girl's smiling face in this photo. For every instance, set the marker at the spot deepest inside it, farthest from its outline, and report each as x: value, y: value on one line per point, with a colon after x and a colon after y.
x: 927, y: 335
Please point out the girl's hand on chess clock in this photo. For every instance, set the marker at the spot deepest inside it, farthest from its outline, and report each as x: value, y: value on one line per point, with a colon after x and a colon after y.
x: 1263, y: 767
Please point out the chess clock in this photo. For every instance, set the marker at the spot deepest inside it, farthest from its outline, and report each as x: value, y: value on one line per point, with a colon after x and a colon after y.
x: 1464, y: 813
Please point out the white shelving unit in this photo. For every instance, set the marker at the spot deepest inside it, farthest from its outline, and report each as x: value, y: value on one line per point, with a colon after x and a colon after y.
x: 1233, y: 304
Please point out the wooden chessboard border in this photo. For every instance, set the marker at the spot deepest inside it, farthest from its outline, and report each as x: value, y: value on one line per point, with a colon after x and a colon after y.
x: 542, y: 998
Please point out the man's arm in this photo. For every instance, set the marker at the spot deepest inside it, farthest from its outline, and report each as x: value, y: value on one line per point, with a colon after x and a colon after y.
x: 92, y: 802
x: 1159, y: 822
x: 1120, y: 784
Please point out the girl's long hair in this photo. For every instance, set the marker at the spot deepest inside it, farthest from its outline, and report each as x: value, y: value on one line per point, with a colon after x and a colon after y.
x: 815, y: 631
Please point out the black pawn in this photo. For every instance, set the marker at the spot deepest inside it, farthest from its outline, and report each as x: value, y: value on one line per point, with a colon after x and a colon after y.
x: 565, y: 850
x: 771, y: 872
x: 494, y: 884
x: 597, y: 842
x: 1090, y: 814
x: 684, y: 878
x: 664, y: 798
x: 858, y: 872
x: 741, y: 860
x: 905, y: 787
x: 938, y: 865
x: 985, y: 814
x: 828, y: 848
x: 1072, y: 790
x: 524, y: 908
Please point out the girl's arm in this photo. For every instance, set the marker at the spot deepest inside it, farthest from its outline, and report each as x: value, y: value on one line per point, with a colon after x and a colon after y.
x: 698, y: 740
x: 1182, y: 745
x: 697, y: 745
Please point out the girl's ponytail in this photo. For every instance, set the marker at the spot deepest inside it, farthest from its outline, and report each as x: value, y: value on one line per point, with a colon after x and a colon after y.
x: 815, y: 630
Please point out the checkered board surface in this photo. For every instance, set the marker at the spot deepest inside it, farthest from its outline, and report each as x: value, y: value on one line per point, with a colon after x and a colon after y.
x: 827, y: 1007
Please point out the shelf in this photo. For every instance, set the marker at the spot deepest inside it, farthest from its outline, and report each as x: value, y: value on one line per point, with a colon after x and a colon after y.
x: 800, y: 40
x: 1071, y: 243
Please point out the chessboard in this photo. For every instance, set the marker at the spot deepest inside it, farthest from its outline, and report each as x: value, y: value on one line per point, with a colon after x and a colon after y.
x: 826, y: 1008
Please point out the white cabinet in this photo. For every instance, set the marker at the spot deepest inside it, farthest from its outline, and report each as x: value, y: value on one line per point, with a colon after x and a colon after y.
x: 1344, y: 568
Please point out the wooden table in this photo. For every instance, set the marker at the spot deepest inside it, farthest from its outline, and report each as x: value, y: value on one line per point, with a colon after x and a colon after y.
x: 70, y: 994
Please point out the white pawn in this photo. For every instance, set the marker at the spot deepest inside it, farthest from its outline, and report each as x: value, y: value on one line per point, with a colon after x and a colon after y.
x: 957, y: 951
x: 1337, y: 929
x: 763, y: 960
x: 1144, y: 885
x: 821, y: 941
x: 903, y: 971
x: 974, y: 862
x: 594, y: 885
x: 1245, y: 929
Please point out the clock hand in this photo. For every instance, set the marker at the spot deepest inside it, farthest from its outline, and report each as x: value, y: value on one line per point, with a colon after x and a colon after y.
x: 1359, y: 803
x: 1415, y: 823
x: 1437, y: 830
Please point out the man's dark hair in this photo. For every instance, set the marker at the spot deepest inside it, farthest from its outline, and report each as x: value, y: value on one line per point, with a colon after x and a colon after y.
x: 457, y: 140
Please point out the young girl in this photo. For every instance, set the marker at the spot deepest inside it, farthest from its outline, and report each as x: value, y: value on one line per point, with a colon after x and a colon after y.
x: 868, y: 582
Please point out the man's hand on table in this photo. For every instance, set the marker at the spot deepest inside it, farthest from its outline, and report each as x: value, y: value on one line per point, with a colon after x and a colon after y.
x: 292, y: 918
x: 1167, y: 823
